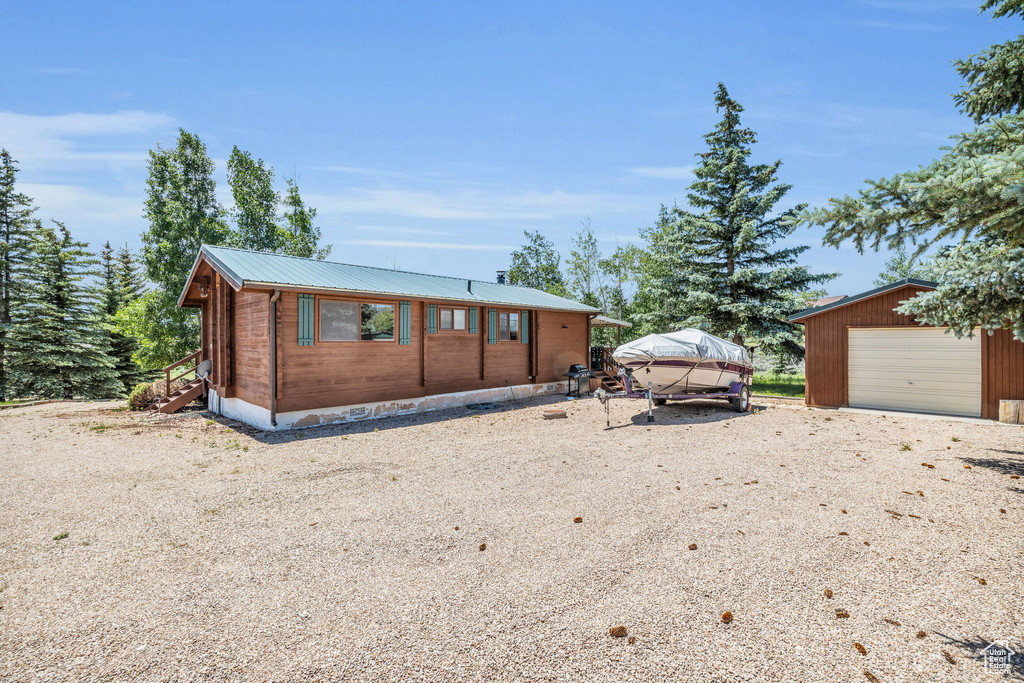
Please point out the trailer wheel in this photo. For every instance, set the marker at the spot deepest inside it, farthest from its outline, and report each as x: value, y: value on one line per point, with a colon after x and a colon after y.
x: 660, y: 401
x: 741, y: 403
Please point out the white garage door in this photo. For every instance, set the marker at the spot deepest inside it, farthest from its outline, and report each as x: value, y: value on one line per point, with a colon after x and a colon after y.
x: 915, y: 368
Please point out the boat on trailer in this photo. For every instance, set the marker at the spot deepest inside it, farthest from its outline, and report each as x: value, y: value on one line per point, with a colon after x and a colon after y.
x: 686, y: 364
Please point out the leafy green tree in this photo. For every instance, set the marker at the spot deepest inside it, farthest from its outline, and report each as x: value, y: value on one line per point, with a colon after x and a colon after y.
x: 302, y: 237
x: 183, y: 214
x: 182, y: 210
x: 717, y: 268
x: 256, y: 200
x: 163, y: 335
x: 60, y: 339
x: 902, y: 266
x: 16, y: 228
x: 118, y: 288
x: 584, y: 267
x: 537, y: 265
x: 971, y: 194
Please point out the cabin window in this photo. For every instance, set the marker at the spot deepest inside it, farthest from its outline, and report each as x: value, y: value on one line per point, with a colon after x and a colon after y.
x: 453, y: 319
x: 508, y: 326
x: 351, y: 321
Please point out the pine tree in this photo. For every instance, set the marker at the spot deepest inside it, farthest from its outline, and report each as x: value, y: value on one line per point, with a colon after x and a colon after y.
x: 901, y: 266
x: 119, y: 287
x: 16, y: 226
x: 717, y: 268
x: 61, y: 341
x: 972, y: 194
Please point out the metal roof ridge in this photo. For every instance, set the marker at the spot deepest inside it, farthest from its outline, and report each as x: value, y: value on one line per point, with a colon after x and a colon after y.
x: 357, y: 265
x: 909, y: 281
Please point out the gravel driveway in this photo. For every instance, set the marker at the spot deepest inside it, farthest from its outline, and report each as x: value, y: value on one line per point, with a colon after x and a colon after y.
x: 444, y: 547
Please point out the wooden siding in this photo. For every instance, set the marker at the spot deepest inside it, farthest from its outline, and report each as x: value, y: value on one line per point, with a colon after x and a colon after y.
x: 827, y: 343
x: 1002, y: 371
x: 252, y: 347
x: 329, y: 374
x: 563, y: 340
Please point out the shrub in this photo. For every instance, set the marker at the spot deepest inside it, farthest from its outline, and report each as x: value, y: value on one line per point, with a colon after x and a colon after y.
x: 146, y: 394
x: 143, y: 395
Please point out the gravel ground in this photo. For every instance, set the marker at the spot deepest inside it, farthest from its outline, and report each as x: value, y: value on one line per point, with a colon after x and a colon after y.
x: 190, y: 549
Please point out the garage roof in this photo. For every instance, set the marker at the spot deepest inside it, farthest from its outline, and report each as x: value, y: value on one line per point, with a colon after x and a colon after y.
x: 914, y: 282
x: 243, y: 268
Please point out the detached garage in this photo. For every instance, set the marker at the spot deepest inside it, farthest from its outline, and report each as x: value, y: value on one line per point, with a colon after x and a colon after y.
x: 862, y: 354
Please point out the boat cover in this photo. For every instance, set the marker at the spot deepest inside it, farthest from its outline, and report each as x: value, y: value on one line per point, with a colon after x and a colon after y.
x: 688, y: 343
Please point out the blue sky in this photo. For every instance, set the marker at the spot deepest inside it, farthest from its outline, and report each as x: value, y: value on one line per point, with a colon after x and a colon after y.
x: 430, y: 135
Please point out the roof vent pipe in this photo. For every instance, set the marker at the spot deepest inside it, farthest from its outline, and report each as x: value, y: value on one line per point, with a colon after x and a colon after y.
x: 469, y: 286
x: 501, y: 277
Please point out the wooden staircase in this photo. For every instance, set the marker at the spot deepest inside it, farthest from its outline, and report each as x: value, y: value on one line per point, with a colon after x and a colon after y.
x: 173, y: 401
x: 609, y: 383
x: 181, y: 398
x: 605, y: 370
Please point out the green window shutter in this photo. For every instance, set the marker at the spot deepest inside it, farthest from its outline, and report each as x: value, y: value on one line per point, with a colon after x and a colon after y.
x: 307, y: 310
x: 473, y: 325
x: 431, y: 318
x: 492, y: 326
x: 404, y: 322
x: 524, y: 326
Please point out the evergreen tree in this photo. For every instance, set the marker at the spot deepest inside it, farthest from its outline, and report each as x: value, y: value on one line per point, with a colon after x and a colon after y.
x: 537, y: 265
x: 717, y: 269
x: 61, y: 342
x: 901, y: 266
x: 16, y: 227
x: 971, y: 194
x: 117, y: 290
x: 302, y: 237
x: 130, y: 284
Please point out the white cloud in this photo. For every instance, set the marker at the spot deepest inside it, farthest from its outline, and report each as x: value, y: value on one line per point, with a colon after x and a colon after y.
x: 44, y: 141
x: 60, y: 71
x: 82, y: 206
x: 898, y: 25
x: 664, y: 172
x: 433, y: 245
x: 923, y: 6
x: 472, y: 203
x: 404, y: 231
x: 363, y: 171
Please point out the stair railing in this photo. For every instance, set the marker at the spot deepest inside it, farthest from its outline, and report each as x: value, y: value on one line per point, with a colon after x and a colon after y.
x: 192, y: 361
x: 610, y: 366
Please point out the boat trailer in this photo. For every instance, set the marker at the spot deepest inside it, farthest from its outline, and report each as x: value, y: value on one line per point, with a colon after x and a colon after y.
x: 738, y: 396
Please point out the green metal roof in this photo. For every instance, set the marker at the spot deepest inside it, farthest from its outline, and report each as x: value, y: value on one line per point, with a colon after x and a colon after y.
x: 245, y: 268
x: 815, y: 310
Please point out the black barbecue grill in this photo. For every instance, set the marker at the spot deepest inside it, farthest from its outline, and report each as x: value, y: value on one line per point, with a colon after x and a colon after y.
x: 578, y: 373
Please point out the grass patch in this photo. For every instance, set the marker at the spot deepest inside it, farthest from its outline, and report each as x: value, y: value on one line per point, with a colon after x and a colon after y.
x: 16, y: 401
x: 61, y: 536
x: 777, y: 384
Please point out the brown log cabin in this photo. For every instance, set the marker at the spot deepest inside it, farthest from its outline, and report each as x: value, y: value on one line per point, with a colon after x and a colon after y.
x: 296, y: 342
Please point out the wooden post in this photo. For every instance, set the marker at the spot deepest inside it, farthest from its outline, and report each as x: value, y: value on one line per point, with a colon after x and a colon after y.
x: 1011, y: 412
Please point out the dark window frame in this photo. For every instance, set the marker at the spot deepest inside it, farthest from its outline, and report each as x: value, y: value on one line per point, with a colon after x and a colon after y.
x: 395, y: 330
x: 502, y: 330
x: 465, y: 319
